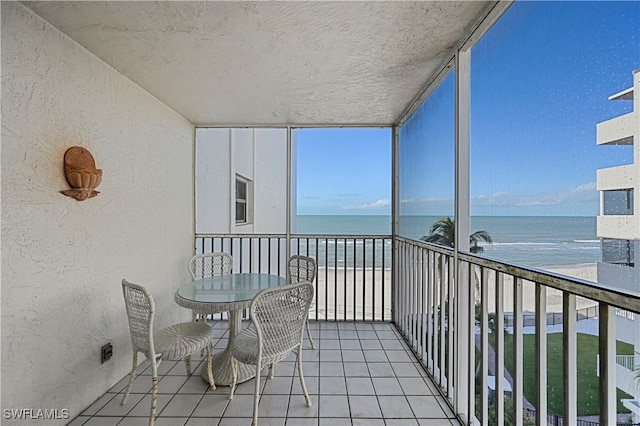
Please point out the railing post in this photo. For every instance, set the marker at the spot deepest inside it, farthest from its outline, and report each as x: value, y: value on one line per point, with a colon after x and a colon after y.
x: 541, y: 355
x: 484, y: 345
x: 499, y: 339
x: 431, y: 323
x: 570, y: 350
x: 452, y: 293
x: 607, y: 364
x: 518, y: 377
x: 471, y: 372
x: 442, y: 320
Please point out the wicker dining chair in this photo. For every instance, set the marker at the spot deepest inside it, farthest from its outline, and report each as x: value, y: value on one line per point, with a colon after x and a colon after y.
x: 302, y: 268
x: 278, y: 316
x: 177, y: 342
x: 209, y: 265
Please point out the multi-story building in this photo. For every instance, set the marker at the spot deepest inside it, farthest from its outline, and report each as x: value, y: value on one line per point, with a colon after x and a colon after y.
x: 619, y: 228
x: 619, y: 219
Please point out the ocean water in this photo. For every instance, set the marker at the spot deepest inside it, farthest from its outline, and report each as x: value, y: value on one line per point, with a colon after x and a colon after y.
x: 536, y: 241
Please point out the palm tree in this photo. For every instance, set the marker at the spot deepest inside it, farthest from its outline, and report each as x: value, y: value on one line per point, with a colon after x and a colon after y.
x: 443, y: 232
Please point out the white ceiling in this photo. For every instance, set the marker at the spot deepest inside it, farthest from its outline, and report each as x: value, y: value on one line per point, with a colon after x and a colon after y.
x: 273, y: 63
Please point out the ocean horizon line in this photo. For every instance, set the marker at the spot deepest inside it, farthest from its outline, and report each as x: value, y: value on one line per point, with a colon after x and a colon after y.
x: 534, y: 241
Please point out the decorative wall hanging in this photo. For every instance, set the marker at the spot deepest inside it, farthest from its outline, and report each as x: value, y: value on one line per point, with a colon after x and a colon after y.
x: 81, y: 173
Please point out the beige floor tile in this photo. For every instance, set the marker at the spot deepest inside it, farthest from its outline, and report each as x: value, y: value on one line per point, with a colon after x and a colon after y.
x: 361, y: 374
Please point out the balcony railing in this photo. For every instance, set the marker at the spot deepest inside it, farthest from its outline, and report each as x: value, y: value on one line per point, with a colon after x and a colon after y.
x: 447, y: 323
x: 630, y: 362
x: 449, y: 307
x: 354, y: 271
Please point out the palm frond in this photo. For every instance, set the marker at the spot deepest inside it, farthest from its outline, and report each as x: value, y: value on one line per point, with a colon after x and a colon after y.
x: 443, y: 233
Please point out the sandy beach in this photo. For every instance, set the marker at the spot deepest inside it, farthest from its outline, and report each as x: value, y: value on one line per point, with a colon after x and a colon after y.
x: 586, y: 272
x: 554, y: 297
x: 367, y: 294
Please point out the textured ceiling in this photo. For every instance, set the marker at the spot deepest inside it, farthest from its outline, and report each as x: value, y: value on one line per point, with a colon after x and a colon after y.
x: 272, y: 63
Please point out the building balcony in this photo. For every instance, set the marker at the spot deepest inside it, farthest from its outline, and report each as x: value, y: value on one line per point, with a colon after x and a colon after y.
x: 413, y: 349
x: 618, y: 131
x: 619, y: 226
x: 406, y: 291
x: 618, y: 177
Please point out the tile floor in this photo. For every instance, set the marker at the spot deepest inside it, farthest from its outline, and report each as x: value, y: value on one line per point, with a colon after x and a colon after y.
x: 359, y: 374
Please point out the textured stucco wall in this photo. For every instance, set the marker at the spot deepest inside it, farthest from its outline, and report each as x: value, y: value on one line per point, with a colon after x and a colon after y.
x: 258, y: 154
x: 63, y: 260
x: 270, y: 194
x: 213, y: 180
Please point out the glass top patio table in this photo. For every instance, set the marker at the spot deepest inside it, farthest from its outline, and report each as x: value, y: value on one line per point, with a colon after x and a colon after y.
x: 226, y: 293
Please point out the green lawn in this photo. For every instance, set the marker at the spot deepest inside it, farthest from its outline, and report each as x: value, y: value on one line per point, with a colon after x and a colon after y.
x: 588, y: 395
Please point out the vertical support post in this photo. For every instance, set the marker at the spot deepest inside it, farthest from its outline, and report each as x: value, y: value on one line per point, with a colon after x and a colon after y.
x: 471, y: 342
x: 607, y: 330
x: 414, y: 286
x: 231, y: 183
x: 431, y: 312
x: 424, y: 301
x: 462, y: 376
x: 454, y: 287
x: 443, y: 267
x: 570, y: 360
x: 289, y: 191
x: 462, y: 216
x: 518, y: 352
x: 499, y: 331
x: 541, y: 355
x: 395, y: 212
x: 462, y: 149
x: 484, y: 345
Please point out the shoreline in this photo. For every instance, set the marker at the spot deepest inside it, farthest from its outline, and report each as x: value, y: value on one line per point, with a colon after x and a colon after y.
x: 346, y: 288
x: 585, y: 271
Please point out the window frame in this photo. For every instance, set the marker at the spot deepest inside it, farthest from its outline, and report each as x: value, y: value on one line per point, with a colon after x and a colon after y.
x: 245, y: 203
x: 618, y: 252
x: 622, y: 205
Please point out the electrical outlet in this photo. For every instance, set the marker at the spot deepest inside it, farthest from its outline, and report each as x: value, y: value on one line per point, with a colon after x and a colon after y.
x: 105, y: 353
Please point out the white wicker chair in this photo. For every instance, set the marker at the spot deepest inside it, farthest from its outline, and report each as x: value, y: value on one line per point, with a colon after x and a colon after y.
x: 209, y: 265
x: 176, y: 342
x: 302, y: 268
x: 278, y: 316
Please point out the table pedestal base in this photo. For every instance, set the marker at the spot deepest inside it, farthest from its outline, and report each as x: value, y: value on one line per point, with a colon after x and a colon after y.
x: 221, y: 363
x: 222, y: 373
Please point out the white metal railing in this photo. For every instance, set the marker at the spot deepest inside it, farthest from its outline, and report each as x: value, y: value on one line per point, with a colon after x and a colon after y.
x: 353, y: 280
x: 448, y: 307
x: 451, y: 306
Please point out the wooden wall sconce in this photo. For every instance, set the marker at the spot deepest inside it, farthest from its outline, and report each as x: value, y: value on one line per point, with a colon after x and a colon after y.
x: 81, y: 173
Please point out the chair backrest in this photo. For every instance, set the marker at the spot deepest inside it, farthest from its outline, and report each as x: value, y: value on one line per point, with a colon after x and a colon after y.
x: 210, y: 264
x: 301, y: 268
x: 140, y: 313
x: 279, y: 315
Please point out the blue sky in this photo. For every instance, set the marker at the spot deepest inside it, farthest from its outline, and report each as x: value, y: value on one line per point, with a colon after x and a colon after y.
x: 541, y: 79
x: 344, y: 171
